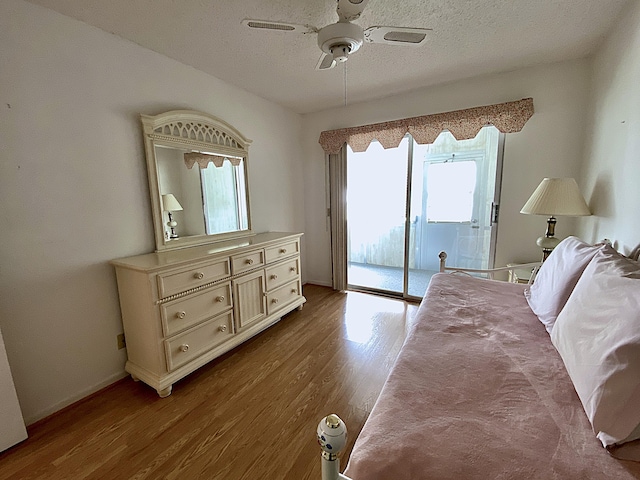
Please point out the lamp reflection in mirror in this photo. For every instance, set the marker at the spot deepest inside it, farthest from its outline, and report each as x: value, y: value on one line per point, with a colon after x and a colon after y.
x: 171, y: 204
x: 555, y: 197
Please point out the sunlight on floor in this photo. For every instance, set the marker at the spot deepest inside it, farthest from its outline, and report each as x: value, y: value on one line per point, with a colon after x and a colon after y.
x: 364, y: 314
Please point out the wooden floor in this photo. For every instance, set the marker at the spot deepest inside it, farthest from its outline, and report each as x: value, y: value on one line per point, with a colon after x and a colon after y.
x: 251, y: 414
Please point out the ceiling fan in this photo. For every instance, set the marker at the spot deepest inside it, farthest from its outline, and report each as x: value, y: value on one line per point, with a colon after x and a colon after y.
x: 343, y: 38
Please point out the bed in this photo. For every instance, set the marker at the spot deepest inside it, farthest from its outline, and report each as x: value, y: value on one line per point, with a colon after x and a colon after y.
x: 481, y: 388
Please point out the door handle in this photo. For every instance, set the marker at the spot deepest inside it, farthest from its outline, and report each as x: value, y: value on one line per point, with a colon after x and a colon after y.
x: 495, y: 211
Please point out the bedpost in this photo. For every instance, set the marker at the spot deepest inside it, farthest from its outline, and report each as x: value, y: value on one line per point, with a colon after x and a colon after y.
x: 332, y: 437
x: 443, y: 258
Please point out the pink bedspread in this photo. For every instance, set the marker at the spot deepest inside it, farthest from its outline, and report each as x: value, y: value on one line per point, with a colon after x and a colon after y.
x: 479, y: 392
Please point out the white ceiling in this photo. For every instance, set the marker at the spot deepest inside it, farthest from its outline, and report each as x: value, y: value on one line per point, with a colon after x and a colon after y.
x: 469, y: 38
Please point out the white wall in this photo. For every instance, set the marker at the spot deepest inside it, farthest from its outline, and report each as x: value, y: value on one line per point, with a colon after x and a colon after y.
x: 611, y: 174
x: 74, y: 189
x: 550, y: 145
x: 74, y: 192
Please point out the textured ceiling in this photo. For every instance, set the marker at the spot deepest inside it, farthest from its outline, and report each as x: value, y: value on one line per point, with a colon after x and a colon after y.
x: 469, y: 38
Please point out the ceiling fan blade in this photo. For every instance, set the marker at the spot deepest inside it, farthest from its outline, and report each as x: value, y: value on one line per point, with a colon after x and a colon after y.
x: 280, y: 26
x: 350, y: 10
x: 396, y: 35
x: 325, y: 62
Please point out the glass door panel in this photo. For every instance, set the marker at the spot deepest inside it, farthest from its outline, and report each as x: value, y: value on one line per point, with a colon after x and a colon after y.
x: 453, y: 188
x: 376, y: 213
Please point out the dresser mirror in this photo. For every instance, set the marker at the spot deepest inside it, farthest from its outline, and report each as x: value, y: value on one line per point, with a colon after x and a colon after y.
x: 197, y: 167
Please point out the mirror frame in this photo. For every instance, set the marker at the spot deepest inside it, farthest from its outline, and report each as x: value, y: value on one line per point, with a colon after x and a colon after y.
x: 194, y: 131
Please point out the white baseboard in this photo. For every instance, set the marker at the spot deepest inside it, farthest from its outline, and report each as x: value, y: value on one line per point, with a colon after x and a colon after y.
x: 74, y: 398
x: 317, y: 282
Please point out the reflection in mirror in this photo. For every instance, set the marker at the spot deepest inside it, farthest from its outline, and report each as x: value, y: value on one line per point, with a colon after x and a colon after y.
x: 213, y: 199
x: 170, y: 205
x: 174, y: 178
x: 197, y: 167
x: 223, y: 191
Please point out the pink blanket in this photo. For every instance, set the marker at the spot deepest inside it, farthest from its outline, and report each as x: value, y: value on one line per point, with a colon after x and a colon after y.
x: 479, y: 392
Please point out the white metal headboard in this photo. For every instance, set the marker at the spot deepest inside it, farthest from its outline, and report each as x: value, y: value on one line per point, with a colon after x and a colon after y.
x: 534, y: 266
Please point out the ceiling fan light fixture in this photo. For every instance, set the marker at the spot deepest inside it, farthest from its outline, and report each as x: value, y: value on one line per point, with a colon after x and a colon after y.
x: 340, y: 53
x: 339, y: 34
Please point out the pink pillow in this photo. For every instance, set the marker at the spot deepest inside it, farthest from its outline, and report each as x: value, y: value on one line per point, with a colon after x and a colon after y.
x: 598, y: 337
x: 557, y: 277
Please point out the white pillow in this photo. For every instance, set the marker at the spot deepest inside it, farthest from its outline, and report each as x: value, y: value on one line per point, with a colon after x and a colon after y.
x: 598, y: 337
x: 557, y: 277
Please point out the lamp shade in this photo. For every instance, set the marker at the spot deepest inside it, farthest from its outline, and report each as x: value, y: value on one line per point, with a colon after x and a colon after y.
x: 170, y: 204
x: 555, y: 197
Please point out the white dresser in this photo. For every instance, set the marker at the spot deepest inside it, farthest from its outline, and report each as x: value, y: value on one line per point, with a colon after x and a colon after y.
x: 183, y: 308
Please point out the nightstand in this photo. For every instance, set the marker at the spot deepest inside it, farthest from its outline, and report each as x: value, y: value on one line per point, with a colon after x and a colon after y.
x: 519, y: 275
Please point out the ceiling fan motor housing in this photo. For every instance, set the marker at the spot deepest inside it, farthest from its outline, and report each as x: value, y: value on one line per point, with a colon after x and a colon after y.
x: 340, y: 40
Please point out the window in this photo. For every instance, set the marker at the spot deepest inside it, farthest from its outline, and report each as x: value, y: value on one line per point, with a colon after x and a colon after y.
x: 450, y: 190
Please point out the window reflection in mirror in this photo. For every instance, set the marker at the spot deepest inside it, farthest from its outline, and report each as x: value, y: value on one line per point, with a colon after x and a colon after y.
x: 223, y: 188
x: 213, y: 199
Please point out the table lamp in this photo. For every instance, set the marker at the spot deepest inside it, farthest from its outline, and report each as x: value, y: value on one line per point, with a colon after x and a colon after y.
x: 555, y: 197
x: 171, y: 204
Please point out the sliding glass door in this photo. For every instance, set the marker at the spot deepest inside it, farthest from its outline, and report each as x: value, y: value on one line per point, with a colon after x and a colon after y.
x: 405, y: 205
x: 376, y: 213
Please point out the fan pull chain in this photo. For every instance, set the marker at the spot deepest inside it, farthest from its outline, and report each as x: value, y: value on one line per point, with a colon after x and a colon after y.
x: 345, y: 83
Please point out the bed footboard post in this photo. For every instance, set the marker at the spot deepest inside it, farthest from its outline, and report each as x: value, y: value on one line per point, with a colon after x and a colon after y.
x: 332, y: 437
x: 443, y: 259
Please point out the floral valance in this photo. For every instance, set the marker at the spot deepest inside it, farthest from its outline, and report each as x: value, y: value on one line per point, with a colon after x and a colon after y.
x: 507, y: 117
x: 203, y: 159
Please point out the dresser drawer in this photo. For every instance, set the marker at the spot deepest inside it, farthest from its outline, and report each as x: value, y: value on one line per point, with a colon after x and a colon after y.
x: 191, y: 344
x: 247, y: 261
x: 282, y: 251
x: 282, y: 296
x: 282, y: 273
x: 192, y: 277
x: 185, y: 312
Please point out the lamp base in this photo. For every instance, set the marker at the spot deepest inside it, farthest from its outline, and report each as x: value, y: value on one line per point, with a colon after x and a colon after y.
x: 172, y: 224
x: 547, y: 244
x: 549, y: 241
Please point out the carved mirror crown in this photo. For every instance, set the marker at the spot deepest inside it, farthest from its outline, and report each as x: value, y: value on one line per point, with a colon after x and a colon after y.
x: 197, y: 168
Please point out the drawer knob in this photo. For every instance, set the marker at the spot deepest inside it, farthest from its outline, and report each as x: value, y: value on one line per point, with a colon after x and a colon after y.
x: 222, y: 328
x: 274, y: 277
x: 181, y: 314
x: 184, y: 347
x: 249, y: 261
x: 220, y: 298
x: 294, y: 290
x: 275, y: 300
x: 292, y: 269
x: 283, y: 250
x: 199, y: 275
